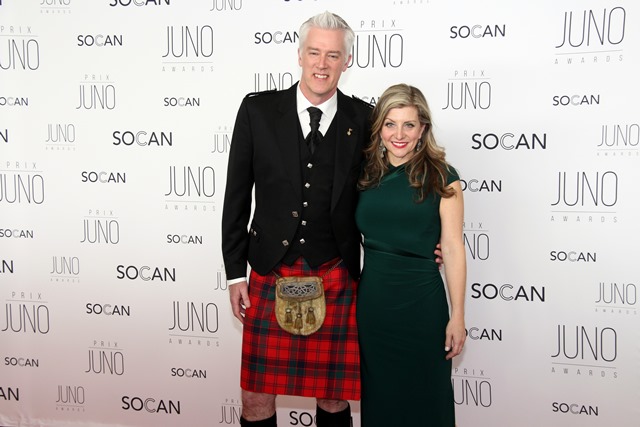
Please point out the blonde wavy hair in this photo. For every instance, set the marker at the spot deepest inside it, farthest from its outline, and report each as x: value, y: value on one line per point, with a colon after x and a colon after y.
x: 427, y: 169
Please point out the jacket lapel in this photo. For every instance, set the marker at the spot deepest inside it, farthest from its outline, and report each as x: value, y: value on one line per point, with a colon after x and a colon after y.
x: 347, y: 138
x: 287, y: 125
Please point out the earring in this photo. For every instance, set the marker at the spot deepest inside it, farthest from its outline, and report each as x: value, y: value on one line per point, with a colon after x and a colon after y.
x: 419, y: 145
x: 382, y: 149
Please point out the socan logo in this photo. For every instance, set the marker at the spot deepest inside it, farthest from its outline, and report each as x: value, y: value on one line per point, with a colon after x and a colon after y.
x: 142, y: 138
x: 6, y: 266
x: 371, y: 100
x: 181, y: 101
x: 16, y: 233
x: 477, y: 31
x: 303, y: 418
x: 22, y: 362
x: 108, y: 309
x: 484, y: 334
x: 508, y: 292
x: 14, y: 101
x: 573, y: 256
x: 479, y: 185
x: 184, y: 239
x: 151, y: 405
x: 146, y: 273
x: 574, y: 409
x: 575, y: 100
x: 509, y: 141
x: 275, y: 37
x: 115, y: 3
x: 189, y: 373
x: 9, y: 393
x: 99, y: 40
x: 103, y: 177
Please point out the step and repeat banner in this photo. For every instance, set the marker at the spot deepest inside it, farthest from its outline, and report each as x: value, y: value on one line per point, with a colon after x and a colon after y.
x: 115, y: 126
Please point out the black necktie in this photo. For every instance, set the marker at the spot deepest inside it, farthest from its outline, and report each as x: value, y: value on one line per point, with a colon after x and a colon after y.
x: 314, y: 136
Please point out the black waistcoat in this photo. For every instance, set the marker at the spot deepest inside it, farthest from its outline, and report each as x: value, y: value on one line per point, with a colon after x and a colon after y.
x: 314, y: 239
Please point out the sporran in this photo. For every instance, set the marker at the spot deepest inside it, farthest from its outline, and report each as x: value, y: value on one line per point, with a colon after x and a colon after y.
x: 300, y: 303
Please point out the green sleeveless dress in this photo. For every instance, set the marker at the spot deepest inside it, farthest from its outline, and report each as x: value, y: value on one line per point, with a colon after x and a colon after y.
x: 402, y: 310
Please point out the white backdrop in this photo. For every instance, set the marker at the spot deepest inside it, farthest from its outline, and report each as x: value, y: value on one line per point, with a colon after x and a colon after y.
x: 115, y: 126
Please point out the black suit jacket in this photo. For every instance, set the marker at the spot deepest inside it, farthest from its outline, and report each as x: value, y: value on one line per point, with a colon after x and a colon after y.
x: 265, y: 154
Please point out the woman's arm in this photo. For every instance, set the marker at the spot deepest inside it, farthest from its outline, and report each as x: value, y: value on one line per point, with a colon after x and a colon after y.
x: 455, y: 267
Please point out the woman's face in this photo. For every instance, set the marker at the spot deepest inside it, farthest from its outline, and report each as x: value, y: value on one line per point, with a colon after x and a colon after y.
x: 400, y: 133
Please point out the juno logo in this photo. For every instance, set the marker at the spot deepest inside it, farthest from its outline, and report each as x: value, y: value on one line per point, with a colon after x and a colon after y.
x: 593, y: 28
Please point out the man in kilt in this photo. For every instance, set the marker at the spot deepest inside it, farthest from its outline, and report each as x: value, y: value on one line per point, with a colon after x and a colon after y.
x: 302, y: 224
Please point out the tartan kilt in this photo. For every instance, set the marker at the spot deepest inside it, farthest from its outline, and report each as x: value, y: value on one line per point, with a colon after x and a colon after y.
x: 325, y: 364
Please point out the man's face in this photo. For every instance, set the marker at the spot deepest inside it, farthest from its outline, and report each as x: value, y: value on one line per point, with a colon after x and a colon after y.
x: 323, y: 60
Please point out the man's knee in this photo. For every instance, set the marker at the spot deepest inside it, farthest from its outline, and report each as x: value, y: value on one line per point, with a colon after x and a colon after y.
x: 332, y: 405
x: 258, y: 406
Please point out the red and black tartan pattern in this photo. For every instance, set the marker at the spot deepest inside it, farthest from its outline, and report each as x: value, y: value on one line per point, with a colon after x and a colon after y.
x: 325, y: 364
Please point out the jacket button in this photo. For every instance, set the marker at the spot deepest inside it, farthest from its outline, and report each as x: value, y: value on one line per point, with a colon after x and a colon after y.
x: 294, y: 214
x: 285, y: 243
x: 302, y: 241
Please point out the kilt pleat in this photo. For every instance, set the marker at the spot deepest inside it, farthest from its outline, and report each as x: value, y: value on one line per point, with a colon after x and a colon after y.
x: 325, y: 364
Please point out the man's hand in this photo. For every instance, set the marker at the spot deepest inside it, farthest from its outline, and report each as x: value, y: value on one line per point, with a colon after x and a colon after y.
x: 239, y: 296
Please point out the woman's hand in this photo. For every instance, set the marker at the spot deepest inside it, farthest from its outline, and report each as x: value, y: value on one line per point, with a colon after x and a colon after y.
x: 455, y: 337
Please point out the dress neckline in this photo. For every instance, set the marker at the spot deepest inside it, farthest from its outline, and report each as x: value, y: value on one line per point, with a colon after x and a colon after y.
x: 394, y: 171
x: 393, y: 168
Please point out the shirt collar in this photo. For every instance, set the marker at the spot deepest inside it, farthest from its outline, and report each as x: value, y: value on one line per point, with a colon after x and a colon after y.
x: 329, y: 107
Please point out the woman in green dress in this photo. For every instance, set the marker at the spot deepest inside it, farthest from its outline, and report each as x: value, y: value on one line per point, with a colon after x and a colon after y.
x: 411, y: 199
